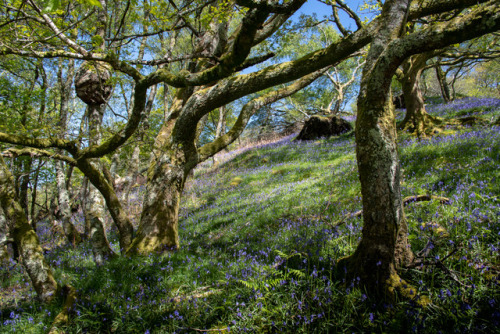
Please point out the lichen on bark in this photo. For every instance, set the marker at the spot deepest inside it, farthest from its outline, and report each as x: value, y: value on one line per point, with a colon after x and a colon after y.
x: 26, y: 239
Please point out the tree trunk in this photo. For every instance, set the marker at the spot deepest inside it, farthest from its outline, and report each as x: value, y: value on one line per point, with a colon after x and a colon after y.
x: 84, y: 200
x: 26, y: 239
x: 443, y: 84
x: 131, y: 177
x: 158, y: 230
x: 416, y: 119
x: 374, y: 261
x: 26, y: 163
x: 4, y: 237
x: 72, y: 234
x: 95, y: 204
x: 221, y: 122
x: 34, y: 192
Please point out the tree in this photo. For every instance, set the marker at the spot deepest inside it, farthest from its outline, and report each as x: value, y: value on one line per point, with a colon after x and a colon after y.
x: 384, y: 245
x: 487, y: 78
x: 465, y: 59
x: 416, y: 119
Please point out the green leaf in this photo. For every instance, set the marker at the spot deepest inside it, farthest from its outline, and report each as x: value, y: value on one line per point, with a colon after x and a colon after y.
x: 52, y: 5
x: 93, y: 3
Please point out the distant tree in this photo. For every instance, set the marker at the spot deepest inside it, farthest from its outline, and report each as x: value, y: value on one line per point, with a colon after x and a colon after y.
x: 416, y: 118
x: 486, y: 77
x: 328, y: 95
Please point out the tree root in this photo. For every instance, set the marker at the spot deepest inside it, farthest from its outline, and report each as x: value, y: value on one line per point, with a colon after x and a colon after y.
x: 395, y: 283
x: 62, y: 318
x: 422, y: 127
x: 392, y: 288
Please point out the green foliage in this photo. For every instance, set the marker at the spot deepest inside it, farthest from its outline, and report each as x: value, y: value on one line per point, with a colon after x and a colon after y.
x: 56, y: 5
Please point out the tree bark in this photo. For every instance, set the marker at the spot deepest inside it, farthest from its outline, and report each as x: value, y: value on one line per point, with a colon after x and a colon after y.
x: 416, y: 119
x: 443, y: 84
x: 221, y: 122
x: 158, y: 230
x: 72, y: 235
x: 26, y: 239
x: 95, y: 206
x: 26, y: 163
x: 132, y: 174
x: 4, y: 237
x: 374, y: 261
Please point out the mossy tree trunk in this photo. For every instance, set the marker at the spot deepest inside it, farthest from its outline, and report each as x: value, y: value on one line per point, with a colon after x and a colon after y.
x: 4, y: 237
x: 384, y: 242
x: 26, y: 239
x: 417, y: 119
x: 443, y: 84
x: 72, y: 235
x: 132, y: 174
x: 158, y: 229
x: 374, y: 261
x: 95, y: 203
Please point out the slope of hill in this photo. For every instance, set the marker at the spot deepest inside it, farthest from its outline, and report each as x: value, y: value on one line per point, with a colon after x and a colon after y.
x: 261, y: 232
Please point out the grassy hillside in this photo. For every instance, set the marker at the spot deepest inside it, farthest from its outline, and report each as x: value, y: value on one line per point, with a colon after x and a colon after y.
x: 261, y: 231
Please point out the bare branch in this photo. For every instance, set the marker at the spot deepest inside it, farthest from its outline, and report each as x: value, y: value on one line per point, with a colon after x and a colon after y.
x: 271, y: 6
x: 210, y: 149
x: 32, y: 152
x: 350, y: 12
x: 58, y: 32
x: 336, y: 19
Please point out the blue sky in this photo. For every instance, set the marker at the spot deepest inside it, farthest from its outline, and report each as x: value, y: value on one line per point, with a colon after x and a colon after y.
x: 314, y: 6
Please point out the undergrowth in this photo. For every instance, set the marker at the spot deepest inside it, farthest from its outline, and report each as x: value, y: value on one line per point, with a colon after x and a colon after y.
x: 259, y: 255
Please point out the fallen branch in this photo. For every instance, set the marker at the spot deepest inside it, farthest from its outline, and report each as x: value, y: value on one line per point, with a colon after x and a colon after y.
x: 197, y: 294
x: 406, y: 201
x: 345, y: 219
x: 423, y: 198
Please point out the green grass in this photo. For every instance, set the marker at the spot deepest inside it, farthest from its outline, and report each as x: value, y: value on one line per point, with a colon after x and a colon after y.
x: 259, y: 256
